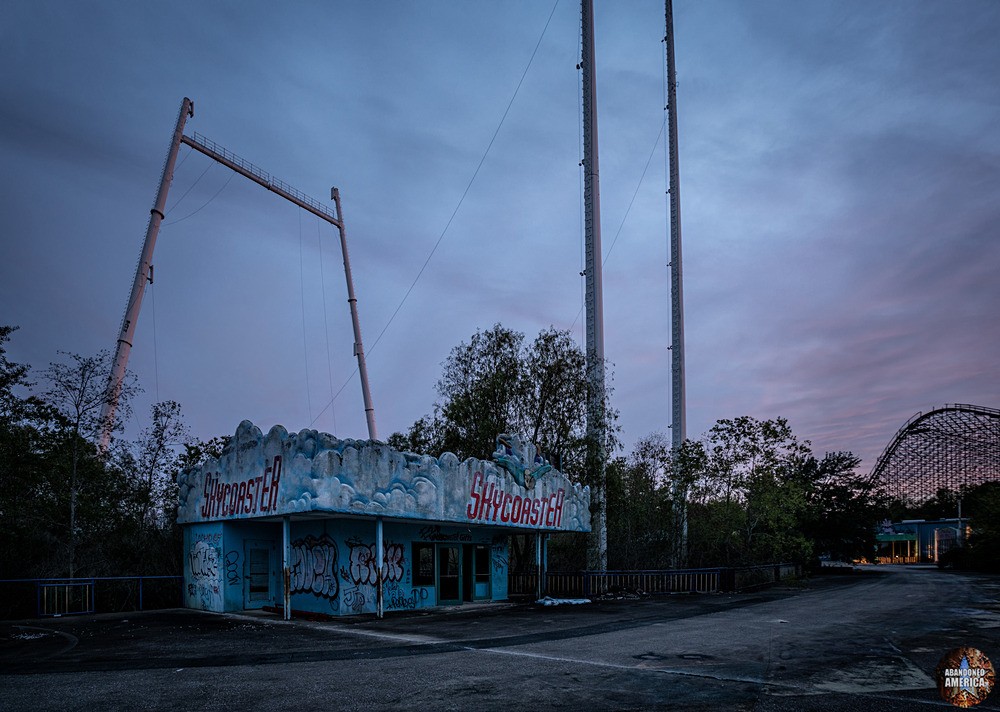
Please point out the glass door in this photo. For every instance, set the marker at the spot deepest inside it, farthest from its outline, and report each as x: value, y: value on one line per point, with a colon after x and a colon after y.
x: 257, y: 574
x: 449, y: 584
x: 481, y: 572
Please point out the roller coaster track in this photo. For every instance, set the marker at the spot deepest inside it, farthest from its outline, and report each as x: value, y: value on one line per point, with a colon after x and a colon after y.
x: 946, y: 448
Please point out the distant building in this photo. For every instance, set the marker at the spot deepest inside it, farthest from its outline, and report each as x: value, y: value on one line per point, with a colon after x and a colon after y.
x: 919, y: 541
x: 307, y: 522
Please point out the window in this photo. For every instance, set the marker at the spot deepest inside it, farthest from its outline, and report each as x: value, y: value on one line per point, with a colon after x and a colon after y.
x: 260, y: 578
x: 423, y: 564
x: 482, y: 565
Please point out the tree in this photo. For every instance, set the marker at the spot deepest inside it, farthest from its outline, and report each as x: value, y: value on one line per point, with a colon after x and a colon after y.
x: 843, y: 509
x: 157, y: 456
x: 495, y: 384
x: 120, y: 502
x: 78, y: 392
x: 198, y: 451
x: 639, y: 506
x: 24, y: 488
x: 982, y: 502
x: 687, y: 465
x: 555, y: 373
x: 12, y: 375
x: 749, y: 499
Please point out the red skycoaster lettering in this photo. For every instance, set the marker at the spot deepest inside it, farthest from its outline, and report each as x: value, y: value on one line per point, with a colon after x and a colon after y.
x: 490, y: 503
x: 251, y: 496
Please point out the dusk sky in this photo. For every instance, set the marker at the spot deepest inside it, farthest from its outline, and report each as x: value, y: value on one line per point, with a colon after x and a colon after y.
x: 840, y: 187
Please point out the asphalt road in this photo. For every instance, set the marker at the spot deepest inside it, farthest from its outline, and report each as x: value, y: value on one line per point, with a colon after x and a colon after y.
x: 864, y: 642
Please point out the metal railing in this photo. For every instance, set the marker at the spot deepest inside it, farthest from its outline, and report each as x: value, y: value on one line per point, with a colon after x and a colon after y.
x: 899, y: 559
x: 50, y: 597
x: 65, y: 597
x: 596, y: 583
x: 224, y: 155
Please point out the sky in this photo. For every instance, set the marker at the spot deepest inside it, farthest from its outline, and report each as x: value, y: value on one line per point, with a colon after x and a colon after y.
x: 840, y: 202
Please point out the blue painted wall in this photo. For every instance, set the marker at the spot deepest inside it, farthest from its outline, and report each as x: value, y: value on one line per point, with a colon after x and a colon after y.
x: 332, y: 566
x: 203, y: 583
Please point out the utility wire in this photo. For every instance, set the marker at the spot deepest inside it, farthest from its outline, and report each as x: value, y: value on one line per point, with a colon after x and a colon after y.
x: 455, y: 211
x: 326, y: 326
x: 191, y: 187
x: 471, y: 181
x: 607, y: 254
x: 174, y: 222
x: 156, y: 365
x: 302, y: 291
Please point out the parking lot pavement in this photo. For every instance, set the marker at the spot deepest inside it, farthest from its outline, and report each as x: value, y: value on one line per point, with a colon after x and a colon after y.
x: 859, y: 642
x: 187, y: 638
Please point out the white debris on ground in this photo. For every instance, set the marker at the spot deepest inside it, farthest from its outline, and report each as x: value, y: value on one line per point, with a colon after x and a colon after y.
x: 549, y: 601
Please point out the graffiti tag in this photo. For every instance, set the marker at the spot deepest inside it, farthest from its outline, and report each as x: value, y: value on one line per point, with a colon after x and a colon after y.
x: 400, y: 600
x: 233, y: 568
x: 499, y: 554
x: 314, y: 566
x: 363, y: 567
x: 204, y: 562
x: 435, y: 533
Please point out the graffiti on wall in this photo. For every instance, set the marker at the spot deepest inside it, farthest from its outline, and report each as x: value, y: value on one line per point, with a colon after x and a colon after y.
x: 314, y: 567
x: 203, y: 563
x: 233, y: 568
x: 398, y: 598
x: 363, y: 569
x: 436, y: 533
x: 498, y: 553
x: 360, y: 578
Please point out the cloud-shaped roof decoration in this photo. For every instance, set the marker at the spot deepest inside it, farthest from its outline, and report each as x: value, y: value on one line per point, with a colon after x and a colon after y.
x: 286, y: 473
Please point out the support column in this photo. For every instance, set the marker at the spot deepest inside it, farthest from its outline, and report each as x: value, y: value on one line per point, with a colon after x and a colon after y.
x: 538, y: 565
x: 359, y: 349
x: 380, y: 561
x: 596, y: 430
x: 143, y: 274
x: 286, y: 559
x: 545, y: 564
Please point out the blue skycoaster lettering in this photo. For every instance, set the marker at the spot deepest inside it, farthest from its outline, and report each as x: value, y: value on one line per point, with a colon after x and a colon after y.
x: 251, y: 496
x: 490, y: 503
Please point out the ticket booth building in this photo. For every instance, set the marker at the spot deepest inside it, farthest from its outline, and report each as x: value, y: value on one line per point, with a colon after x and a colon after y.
x: 306, y: 522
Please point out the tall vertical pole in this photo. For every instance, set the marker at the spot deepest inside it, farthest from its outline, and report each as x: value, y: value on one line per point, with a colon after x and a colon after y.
x: 143, y: 274
x: 678, y: 427
x: 598, y: 554
x: 359, y: 349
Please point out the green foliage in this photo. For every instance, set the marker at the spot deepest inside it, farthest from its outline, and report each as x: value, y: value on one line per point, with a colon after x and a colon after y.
x: 982, y: 505
x: 66, y: 508
x: 843, y: 510
x: 496, y: 384
x: 751, y: 498
x: 748, y: 493
x: 648, y: 496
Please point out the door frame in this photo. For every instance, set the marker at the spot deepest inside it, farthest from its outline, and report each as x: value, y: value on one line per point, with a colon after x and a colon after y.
x: 270, y: 547
x: 439, y: 571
